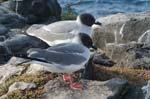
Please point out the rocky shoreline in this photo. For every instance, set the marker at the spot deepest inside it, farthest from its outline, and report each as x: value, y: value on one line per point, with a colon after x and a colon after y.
x: 123, y: 42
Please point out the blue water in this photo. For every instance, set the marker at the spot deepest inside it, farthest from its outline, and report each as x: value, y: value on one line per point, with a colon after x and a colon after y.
x: 105, y: 7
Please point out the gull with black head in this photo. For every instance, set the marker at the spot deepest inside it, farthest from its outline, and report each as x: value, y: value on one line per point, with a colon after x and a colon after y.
x: 63, y: 31
x: 64, y: 58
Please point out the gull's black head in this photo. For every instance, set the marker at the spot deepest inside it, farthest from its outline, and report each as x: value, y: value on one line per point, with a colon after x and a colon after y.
x: 86, y: 40
x: 87, y: 19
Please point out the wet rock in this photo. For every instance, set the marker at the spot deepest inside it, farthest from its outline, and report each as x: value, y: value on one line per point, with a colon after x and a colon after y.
x: 111, y: 89
x: 121, y: 28
x: 36, y: 11
x: 6, y: 71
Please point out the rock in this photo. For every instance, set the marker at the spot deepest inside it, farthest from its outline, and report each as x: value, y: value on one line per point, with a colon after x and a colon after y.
x: 6, y: 71
x: 16, y: 61
x: 132, y: 55
x: 36, y: 11
x: 4, y: 54
x: 100, y: 35
x: 21, y: 86
x: 134, y: 92
x: 3, y: 32
x: 137, y: 57
x: 96, y: 58
x: 102, y: 60
x: 146, y: 90
x: 116, y: 52
x: 88, y: 72
x: 17, y: 31
x: 111, y: 89
x: 145, y: 37
x: 22, y: 43
x: 4, y: 10
x: 11, y: 19
x: 121, y: 28
x: 18, y: 46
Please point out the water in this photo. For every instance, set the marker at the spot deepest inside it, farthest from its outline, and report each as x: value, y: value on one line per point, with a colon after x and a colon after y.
x: 105, y: 7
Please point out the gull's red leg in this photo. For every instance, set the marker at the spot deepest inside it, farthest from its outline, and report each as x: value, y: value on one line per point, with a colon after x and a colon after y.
x: 67, y: 77
x: 75, y: 86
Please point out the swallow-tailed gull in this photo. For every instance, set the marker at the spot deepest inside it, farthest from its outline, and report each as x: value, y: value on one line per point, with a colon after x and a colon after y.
x: 63, y: 31
x: 64, y: 58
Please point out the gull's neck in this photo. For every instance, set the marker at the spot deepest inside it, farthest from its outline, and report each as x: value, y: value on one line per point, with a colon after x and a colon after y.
x: 84, y: 28
x: 76, y: 40
x: 78, y: 20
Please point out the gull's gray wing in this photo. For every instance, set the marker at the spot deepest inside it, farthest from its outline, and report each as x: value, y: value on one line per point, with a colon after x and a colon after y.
x: 62, y: 27
x: 55, y: 57
x: 51, y: 33
x: 67, y: 48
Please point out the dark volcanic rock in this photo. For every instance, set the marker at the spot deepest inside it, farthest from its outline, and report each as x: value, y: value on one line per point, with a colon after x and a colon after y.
x: 88, y: 72
x: 102, y: 60
x: 134, y: 92
x: 99, y: 59
x: 36, y: 11
x: 21, y: 43
x: 11, y: 19
x: 18, y: 45
x: 3, y: 33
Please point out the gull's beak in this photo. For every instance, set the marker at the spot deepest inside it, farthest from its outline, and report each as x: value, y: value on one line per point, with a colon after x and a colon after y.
x: 94, y: 47
x: 98, y: 23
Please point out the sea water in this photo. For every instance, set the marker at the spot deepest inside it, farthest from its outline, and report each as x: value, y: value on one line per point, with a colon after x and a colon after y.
x: 105, y: 7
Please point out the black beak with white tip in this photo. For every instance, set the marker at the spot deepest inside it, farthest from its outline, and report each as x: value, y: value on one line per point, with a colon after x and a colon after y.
x: 98, y: 23
x: 94, y: 47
